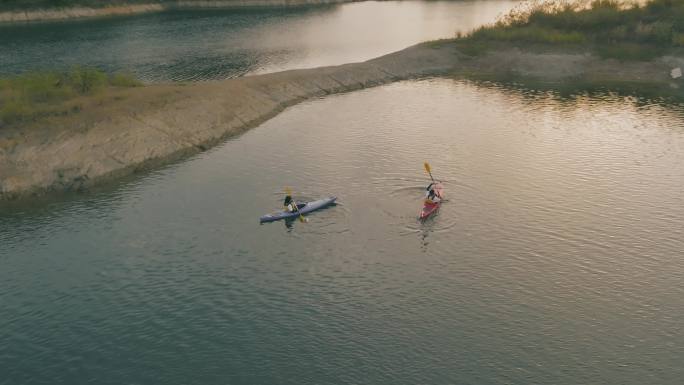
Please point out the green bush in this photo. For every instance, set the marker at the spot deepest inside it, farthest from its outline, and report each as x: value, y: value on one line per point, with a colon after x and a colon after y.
x: 601, y: 15
x: 627, y: 51
x: 34, y: 94
x: 86, y: 80
x: 123, y: 79
x: 534, y: 34
x: 615, y: 29
x: 678, y: 39
x: 41, y: 87
x: 14, y: 110
x: 618, y: 33
x: 661, y: 31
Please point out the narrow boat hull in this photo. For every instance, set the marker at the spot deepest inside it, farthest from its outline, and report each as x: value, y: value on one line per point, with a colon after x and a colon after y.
x: 306, y: 207
x: 429, y: 209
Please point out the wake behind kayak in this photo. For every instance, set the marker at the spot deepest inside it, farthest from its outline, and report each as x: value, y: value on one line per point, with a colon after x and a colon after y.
x: 304, y: 207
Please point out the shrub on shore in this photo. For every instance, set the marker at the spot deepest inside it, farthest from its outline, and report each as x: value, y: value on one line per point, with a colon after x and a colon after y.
x: 618, y: 29
x: 34, y: 94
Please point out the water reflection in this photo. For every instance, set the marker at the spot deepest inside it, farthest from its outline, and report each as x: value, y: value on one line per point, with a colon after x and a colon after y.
x: 562, y: 235
x: 220, y: 44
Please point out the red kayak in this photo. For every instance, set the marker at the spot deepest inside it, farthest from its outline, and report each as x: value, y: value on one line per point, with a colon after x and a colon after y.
x: 430, y: 208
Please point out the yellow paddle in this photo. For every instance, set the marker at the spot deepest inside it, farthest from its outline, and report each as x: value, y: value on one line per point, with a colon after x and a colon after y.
x: 294, y: 204
x: 429, y: 171
x: 427, y: 168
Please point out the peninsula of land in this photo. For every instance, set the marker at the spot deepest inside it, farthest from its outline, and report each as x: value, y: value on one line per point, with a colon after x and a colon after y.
x: 126, y: 129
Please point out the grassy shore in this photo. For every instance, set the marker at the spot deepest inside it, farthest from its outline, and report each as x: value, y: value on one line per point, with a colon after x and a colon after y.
x: 33, y: 95
x: 608, y: 28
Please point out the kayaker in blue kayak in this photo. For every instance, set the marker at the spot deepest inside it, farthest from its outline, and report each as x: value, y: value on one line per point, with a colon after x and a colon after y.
x: 289, y: 204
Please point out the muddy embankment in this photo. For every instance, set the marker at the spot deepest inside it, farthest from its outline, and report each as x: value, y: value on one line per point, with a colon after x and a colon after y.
x: 20, y: 16
x: 148, y: 126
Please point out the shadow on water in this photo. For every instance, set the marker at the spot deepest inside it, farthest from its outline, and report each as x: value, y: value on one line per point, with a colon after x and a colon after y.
x: 572, y: 93
x: 35, y: 218
x: 309, y: 219
x: 30, y: 219
x: 103, y: 195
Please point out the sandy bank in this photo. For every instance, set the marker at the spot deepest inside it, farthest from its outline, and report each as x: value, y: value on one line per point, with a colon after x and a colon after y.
x: 20, y: 16
x: 147, y: 126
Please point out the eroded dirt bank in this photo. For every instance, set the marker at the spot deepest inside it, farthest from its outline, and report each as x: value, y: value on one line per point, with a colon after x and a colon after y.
x: 147, y: 126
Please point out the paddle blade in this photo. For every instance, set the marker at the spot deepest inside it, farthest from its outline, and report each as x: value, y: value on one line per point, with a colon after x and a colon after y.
x: 427, y: 167
x: 288, y: 191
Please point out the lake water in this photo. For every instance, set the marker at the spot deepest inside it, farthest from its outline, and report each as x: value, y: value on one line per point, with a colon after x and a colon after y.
x: 219, y: 44
x: 557, y: 259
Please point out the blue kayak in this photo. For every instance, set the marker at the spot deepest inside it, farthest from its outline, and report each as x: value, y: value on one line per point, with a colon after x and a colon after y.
x: 304, y: 207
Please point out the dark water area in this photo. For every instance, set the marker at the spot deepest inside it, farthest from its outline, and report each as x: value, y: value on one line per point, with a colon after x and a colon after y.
x: 557, y: 258
x: 220, y: 44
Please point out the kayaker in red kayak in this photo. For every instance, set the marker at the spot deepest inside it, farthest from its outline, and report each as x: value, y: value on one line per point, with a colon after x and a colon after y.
x: 432, y: 195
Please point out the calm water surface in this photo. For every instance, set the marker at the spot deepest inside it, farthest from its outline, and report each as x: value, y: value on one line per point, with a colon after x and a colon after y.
x: 556, y: 260
x: 204, y: 45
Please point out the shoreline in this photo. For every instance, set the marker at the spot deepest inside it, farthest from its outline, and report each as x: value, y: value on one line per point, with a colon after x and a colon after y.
x: 81, y: 12
x: 145, y: 127
x: 148, y: 126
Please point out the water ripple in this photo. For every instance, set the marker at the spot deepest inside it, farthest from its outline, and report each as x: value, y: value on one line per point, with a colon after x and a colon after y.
x: 556, y: 257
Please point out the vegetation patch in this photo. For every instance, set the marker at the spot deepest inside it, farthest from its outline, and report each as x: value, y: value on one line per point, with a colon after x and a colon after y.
x: 32, y: 95
x: 610, y: 28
